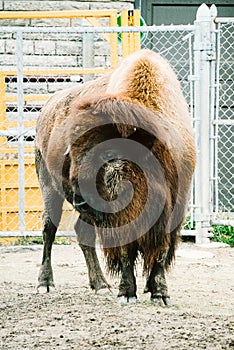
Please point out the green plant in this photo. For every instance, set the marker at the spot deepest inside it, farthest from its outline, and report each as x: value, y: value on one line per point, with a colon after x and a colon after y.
x: 188, y: 225
x: 224, y: 234
x: 27, y: 240
x: 62, y: 240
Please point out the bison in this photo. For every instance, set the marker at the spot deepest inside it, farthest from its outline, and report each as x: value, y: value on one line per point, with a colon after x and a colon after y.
x: 121, y: 150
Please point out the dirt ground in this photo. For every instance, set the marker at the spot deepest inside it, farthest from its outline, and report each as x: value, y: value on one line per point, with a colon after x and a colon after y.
x: 201, y: 285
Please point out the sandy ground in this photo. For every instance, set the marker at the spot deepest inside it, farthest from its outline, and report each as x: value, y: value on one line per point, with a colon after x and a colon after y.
x: 201, y: 285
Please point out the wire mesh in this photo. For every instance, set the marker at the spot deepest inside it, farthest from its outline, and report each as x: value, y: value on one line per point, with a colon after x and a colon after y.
x: 225, y: 149
x: 176, y: 47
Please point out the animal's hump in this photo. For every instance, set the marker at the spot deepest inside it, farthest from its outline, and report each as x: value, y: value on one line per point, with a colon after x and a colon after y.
x: 143, y: 76
x: 143, y: 81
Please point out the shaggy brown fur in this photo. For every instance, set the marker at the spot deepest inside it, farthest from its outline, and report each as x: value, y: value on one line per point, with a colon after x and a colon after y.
x: 140, y: 101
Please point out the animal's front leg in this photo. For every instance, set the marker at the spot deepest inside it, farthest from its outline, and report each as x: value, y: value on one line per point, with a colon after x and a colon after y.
x: 127, y: 287
x: 86, y: 237
x: 53, y: 203
x: 156, y: 284
x: 51, y: 218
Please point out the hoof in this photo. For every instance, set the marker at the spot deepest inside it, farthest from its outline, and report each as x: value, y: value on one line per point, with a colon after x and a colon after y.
x: 99, y: 288
x: 45, y: 288
x: 125, y: 300
x: 106, y: 291
x: 161, y: 301
x: 132, y: 300
x: 158, y: 301
x: 167, y: 301
x: 122, y: 300
x: 98, y: 285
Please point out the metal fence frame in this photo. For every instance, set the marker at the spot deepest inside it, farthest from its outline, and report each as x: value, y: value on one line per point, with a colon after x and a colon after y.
x: 204, y: 95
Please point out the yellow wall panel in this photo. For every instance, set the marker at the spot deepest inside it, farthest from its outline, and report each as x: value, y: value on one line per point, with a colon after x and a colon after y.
x: 9, y: 205
x: 33, y: 200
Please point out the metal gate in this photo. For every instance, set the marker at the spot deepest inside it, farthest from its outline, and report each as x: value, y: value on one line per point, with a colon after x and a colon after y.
x: 38, y: 61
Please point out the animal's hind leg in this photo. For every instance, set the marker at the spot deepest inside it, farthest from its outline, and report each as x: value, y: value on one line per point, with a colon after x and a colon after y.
x: 86, y: 237
x: 156, y: 284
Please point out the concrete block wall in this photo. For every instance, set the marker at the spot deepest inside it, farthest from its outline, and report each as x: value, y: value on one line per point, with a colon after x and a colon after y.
x: 54, y: 5
x: 51, y: 45
x: 54, y: 50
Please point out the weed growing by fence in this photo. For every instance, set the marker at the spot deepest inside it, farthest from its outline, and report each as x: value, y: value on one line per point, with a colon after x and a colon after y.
x: 224, y: 234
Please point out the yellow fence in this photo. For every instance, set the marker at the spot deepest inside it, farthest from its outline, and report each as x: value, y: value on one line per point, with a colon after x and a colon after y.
x: 9, y: 185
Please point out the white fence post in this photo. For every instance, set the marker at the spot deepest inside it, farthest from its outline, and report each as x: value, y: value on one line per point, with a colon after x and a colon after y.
x: 202, y: 50
x: 213, y: 108
x: 20, y: 107
x: 88, y: 51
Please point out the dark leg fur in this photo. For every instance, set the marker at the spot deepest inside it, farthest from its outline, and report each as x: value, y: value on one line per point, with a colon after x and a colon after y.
x: 86, y: 241
x: 45, y: 278
x: 127, y: 287
x: 51, y: 217
x: 157, y: 286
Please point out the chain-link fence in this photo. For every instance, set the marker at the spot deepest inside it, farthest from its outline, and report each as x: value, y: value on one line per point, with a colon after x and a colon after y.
x: 224, y: 122
x: 36, y: 63
x: 175, y: 43
x: 39, y: 61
